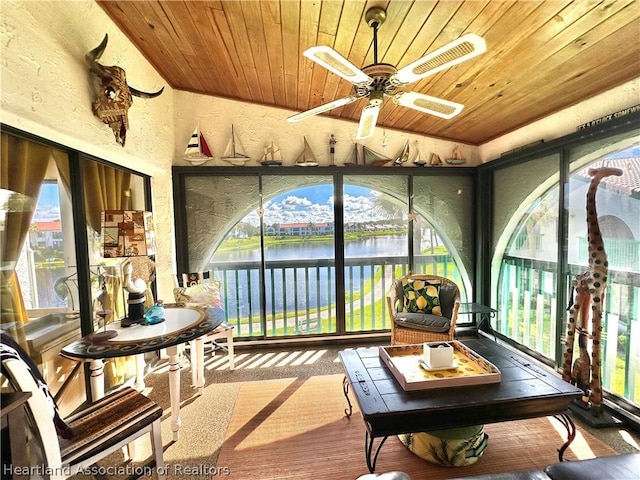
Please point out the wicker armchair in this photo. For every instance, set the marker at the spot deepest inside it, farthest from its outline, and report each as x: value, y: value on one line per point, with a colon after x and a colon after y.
x: 403, y: 332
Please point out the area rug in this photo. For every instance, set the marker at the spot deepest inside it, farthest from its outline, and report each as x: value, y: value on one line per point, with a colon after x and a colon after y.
x: 297, y: 429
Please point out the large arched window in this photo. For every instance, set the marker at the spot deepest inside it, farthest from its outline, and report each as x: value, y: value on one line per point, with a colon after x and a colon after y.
x: 316, y: 254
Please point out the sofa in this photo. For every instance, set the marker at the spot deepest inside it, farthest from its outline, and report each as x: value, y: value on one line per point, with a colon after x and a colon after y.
x: 618, y: 467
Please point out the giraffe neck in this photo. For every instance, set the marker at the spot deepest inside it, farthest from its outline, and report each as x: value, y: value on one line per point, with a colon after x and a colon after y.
x: 597, y: 254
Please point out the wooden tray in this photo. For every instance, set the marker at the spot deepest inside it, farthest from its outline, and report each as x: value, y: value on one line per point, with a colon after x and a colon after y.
x: 404, y: 363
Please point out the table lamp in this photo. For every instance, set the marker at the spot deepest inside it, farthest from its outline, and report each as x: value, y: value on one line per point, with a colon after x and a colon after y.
x: 129, y: 233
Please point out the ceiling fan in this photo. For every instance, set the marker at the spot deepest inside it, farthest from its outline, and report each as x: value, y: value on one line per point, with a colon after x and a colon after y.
x: 379, y: 79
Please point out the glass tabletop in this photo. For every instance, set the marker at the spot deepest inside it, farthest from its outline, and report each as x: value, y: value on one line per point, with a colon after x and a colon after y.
x: 472, y: 308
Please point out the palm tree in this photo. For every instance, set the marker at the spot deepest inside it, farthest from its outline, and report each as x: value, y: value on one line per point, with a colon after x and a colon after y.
x: 389, y: 208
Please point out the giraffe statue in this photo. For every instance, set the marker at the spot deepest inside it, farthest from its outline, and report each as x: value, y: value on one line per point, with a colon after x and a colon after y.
x: 589, y: 288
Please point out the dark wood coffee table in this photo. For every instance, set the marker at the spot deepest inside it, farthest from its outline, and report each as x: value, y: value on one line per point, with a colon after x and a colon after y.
x: 525, y: 391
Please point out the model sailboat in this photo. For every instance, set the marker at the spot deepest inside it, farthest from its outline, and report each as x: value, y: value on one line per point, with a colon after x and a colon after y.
x: 234, y: 153
x: 307, y: 157
x: 272, y: 156
x: 407, y: 153
x: 417, y: 159
x: 366, y: 158
x: 197, y: 151
x: 456, y: 157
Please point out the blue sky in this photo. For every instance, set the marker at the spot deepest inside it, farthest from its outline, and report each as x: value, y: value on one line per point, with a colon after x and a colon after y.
x: 303, y: 205
x: 48, y: 207
x: 315, y: 204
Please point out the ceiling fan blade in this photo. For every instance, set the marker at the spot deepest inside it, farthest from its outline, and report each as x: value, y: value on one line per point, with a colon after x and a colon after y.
x: 340, y: 102
x: 336, y: 63
x: 464, y: 48
x: 368, y: 120
x: 428, y: 104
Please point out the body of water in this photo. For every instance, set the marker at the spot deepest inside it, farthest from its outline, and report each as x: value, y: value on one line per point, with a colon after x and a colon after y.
x: 382, y: 246
x: 291, y: 288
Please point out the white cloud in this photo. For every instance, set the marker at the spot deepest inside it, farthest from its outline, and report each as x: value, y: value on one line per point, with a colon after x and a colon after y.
x: 294, y: 209
x: 359, y: 208
x: 294, y: 202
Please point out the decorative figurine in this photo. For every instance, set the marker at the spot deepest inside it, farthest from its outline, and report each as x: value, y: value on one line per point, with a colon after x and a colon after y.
x: 272, y: 157
x: 418, y: 161
x: 306, y: 158
x: 332, y: 148
x: 404, y: 155
x: 197, y: 151
x: 589, y: 288
x: 234, y: 153
x: 434, y: 160
x: 456, y: 157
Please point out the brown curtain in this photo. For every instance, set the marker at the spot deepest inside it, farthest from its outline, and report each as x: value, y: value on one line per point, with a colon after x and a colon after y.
x: 105, y: 188
x: 62, y: 163
x: 22, y: 170
x: 108, y: 188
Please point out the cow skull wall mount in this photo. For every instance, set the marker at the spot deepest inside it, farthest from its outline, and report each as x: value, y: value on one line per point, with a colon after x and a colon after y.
x: 112, y: 96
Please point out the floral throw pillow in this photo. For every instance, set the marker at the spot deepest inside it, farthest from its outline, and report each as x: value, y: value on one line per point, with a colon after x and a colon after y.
x: 421, y: 296
x: 202, y: 294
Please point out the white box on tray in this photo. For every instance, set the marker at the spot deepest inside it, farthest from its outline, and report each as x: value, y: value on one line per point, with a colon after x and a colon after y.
x: 437, y: 355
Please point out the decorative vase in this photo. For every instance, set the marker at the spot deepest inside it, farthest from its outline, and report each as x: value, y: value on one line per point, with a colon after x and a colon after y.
x: 155, y: 314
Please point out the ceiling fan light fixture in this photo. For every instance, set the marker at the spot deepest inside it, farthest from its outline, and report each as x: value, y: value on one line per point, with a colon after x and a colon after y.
x: 368, y: 120
x: 336, y: 63
x: 425, y: 103
x: 341, y: 102
x: 458, y: 51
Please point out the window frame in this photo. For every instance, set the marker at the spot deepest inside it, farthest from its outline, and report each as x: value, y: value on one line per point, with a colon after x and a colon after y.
x: 76, y: 158
x: 338, y: 174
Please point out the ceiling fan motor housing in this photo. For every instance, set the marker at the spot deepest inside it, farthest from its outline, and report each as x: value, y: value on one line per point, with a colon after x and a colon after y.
x: 380, y: 74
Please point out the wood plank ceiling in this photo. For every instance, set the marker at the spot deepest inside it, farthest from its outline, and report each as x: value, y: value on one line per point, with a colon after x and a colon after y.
x: 542, y: 56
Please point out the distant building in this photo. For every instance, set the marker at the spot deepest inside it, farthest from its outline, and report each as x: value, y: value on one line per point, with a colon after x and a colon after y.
x: 299, y: 229
x: 620, y: 227
x: 46, y: 235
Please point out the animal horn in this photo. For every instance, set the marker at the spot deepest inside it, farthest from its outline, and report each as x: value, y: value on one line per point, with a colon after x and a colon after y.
x: 91, y: 57
x: 140, y: 94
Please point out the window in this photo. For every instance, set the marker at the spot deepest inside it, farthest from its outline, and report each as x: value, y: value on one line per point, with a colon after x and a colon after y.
x: 315, y: 254
x: 40, y: 302
x: 540, y: 247
x: 44, y: 258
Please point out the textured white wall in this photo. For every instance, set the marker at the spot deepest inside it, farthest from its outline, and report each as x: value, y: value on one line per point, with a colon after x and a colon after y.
x: 257, y: 126
x: 565, y: 122
x: 46, y: 91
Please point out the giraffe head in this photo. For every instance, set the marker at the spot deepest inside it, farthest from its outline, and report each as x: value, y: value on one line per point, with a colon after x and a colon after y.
x: 602, y: 172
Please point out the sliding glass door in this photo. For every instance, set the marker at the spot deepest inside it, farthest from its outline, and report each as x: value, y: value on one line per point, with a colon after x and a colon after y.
x: 299, y: 255
x: 314, y: 251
